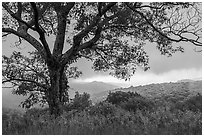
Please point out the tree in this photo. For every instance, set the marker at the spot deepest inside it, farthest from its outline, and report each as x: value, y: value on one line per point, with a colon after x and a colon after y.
x: 30, y: 77
x: 112, y: 35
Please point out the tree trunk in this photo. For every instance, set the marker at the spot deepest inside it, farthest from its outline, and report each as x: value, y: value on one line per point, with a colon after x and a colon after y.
x: 54, y: 94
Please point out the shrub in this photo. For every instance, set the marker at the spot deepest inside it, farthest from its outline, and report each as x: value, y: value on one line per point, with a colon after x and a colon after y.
x: 119, y: 96
x: 79, y: 102
x: 102, y: 108
x: 130, y: 101
x: 193, y: 103
x: 137, y: 103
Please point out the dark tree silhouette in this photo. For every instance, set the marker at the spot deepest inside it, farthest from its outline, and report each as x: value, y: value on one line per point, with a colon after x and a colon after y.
x: 30, y: 77
x: 112, y: 35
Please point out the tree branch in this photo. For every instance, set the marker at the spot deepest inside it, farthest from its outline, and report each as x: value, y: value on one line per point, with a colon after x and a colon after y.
x: 25, y: 80
x: 61, y: 28
x: 85, y: 45
x: 91, y: 42
x: 78, y: 38
x: 28, y: 38
x: 40, y: 30
x: 161, y: 33
x: 102, y: 57
x: 17, y: 15
x: 77, y: 46
x: 34, y: 70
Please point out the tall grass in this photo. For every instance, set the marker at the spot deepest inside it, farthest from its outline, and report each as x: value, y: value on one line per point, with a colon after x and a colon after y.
x: 107, y: 119
x: 161, y: 121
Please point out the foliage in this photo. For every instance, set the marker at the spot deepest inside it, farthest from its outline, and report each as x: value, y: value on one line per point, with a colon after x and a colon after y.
x: 137, y: 103
x: 193, y: 103
x: 158, y: 122
x: 120, y: 96
x: 130, y: 101
x: 79, y: 102
x: 29, y: 76
x: 102, y: 108
x: 107, y: 119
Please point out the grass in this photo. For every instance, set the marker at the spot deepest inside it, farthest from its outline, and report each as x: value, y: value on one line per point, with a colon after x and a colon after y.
x: 106, y: 119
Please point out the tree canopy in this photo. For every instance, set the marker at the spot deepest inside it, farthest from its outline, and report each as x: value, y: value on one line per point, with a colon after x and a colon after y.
x: 100, y: 31
x: 30, y: 77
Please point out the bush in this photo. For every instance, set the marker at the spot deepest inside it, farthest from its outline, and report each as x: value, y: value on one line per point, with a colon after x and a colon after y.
x: 137, y: 103
x: 119, y: 97
x: 193, y: 104
x: 102, y: 108
x: 130, y: 101
x: 79, y: 102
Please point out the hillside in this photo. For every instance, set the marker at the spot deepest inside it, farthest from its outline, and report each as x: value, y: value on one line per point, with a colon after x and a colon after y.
x: 90, y: 87
x: 156, y: 91
x: 100, y: 90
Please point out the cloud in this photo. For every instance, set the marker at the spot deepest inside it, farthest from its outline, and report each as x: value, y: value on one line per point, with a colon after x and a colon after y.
x: 143, y: 78
x: 107, y: 79
x: 170, y: 76
x: 160, y: 64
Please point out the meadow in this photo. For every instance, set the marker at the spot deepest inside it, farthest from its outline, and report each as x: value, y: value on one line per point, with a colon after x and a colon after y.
x: 122, y: 113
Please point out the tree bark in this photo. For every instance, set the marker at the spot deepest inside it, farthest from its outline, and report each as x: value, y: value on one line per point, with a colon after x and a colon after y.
x: 55, y: 92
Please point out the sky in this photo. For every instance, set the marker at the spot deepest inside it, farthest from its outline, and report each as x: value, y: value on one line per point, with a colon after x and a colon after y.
x: 187, y: 65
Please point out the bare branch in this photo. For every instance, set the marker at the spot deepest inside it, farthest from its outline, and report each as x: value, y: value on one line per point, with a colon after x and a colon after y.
x: 181, y: 38
x: 40, y: 30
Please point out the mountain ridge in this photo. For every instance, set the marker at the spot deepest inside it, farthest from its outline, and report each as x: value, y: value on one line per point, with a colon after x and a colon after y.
x: 99, y: 90
x: 157, y: 90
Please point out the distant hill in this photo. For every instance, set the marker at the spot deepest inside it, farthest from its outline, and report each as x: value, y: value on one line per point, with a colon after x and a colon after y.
x: 100, y: 90
x: 91, y: 87
x: 185, y: 80
x: 190, y: 80
x: 154, y: 91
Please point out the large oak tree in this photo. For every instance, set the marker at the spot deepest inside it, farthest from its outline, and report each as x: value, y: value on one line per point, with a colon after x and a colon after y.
x: 112, y: 35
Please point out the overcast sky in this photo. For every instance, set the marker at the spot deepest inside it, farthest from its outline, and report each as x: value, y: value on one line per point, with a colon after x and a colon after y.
x: 187, y: 65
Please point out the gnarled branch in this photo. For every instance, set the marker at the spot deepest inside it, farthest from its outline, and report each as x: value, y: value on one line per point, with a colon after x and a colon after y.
x: 181, y: 38
x: 27, y: 37
x: 40, y: 30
